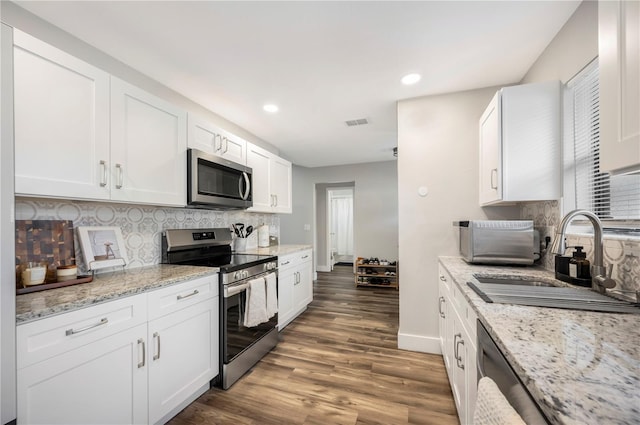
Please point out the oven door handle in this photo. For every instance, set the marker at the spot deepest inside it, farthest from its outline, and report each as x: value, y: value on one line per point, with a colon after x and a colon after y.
x: 230, y: 291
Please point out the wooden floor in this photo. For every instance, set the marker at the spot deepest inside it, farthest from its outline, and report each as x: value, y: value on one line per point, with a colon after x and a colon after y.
x: 337, y: 363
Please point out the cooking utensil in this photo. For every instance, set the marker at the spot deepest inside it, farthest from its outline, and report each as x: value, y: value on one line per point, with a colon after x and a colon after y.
x: 240, y: 228
x: 248, y: 231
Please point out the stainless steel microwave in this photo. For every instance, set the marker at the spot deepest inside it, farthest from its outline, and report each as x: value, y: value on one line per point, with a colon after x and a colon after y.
x: 217, y: 183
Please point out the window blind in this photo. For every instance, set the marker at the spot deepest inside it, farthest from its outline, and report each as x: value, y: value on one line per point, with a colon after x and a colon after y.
x: 611, y: 198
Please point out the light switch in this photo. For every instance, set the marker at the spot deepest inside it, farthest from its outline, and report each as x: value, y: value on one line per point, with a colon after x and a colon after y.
x: 307, y: 227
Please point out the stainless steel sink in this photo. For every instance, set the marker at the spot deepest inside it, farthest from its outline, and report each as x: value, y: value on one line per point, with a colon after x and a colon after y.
x: 512, y: 281
x: 539, y: 293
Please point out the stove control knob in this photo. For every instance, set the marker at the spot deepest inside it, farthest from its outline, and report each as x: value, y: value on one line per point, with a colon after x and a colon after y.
x: 245, y: 274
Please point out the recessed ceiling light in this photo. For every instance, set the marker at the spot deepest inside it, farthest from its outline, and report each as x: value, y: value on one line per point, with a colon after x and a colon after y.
x: 410, y: 79
x: 270, y: 107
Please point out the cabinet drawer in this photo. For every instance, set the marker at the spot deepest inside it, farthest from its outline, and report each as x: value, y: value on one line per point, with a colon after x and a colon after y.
x: 292, y: 260
x: 42, y: 339
x: 176, y: 297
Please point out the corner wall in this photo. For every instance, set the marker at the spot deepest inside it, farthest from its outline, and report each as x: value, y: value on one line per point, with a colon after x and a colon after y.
x: 438, y: 149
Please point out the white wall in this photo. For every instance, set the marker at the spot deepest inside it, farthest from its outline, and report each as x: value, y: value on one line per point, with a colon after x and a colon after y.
x: 19, y: 18
x: 375, y: 205
x: 438, y: 148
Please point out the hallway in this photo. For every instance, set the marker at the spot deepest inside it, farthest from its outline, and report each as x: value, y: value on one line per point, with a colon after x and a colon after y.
x: 337, y: 363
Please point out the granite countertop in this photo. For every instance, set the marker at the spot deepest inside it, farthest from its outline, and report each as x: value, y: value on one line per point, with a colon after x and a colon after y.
x: 581, y: 367
x: 104, y: 287
x: 279, y: 250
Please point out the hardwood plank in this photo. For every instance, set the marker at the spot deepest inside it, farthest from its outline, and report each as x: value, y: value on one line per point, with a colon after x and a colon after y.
x: 337, y: 363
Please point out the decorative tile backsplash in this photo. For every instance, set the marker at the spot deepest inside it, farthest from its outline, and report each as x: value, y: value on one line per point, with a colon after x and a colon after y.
x: 141, y: 224
x: 621, y: 251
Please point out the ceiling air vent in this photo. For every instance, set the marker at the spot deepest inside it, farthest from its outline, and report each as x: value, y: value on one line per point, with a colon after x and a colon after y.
x: 353, y: 123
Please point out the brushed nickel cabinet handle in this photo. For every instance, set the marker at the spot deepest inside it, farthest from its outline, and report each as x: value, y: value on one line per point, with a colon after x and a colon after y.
x: 182, y: 297
x: 156, y: 336
x: 120, y: 176
x: 440, y: 302
x: 459, y: 359
x: 72, y: 331
x: 442, y: 278
x: 103, y: 178
x: 494, y: 172
x: 144, y: 353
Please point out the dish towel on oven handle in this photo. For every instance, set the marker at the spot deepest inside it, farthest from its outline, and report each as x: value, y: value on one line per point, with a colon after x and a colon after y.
x: 492, y: 408
x: 255, y: 311
x: 272, y: 295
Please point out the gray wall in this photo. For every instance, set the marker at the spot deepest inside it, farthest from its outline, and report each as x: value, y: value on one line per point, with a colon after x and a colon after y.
x: 438, y: 148
x: 375, y: 207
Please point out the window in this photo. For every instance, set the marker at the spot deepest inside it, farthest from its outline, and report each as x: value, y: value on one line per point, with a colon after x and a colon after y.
x: 614, y: 199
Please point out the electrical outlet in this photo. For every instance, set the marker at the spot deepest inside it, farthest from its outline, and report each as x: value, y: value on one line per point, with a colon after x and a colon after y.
x: 307, y: 227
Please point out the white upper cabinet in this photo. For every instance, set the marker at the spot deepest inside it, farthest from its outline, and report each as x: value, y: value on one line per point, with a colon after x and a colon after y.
x: 271, y: 180
x: 81, y: 133
x: 148, y: 147
x: 61, y: 122
x: 208, y: 138
x: 619, y: 59
x: 520, y: 149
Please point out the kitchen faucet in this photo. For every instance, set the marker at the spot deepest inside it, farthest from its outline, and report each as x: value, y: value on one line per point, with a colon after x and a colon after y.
x: 599, y: 277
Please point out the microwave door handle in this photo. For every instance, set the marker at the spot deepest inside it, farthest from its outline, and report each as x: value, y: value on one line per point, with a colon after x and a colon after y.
x: 247, y: 185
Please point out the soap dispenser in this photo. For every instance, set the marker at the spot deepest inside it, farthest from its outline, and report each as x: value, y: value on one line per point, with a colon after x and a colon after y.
x: 579, y: 265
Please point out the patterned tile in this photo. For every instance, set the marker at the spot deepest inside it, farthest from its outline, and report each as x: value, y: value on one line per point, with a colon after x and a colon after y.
x: 623, y: 252
x: 141, y: 225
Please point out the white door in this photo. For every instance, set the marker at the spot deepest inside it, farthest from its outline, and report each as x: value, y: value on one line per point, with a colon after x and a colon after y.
x: 490, y: 153
x: 619, y: 57
x: 340, y: 225
x: 104, y: 382
x: 303, y: 290
x: 61, y: 123
x: 286, y: 281
x: 281, y: 185
x: 182, y: 356
x: 148, y: 147
x: 203, y: 135
x: 258, y: 160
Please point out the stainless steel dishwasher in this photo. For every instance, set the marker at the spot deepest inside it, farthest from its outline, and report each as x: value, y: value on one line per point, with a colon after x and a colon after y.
x: 492, y: 363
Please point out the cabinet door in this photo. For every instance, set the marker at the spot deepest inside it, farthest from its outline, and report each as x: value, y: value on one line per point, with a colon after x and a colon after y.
x: 443, y: 311
x: 203, y: 135
x: 234, y: 149
x: 61, y: 107
x: 258, y: 159
x: 491, y: 153
x: 281, y: 185
x: 619, y: 56
x: 104, y: 382
x: 286, y: 281
x: 303, y: 288
x: 182, y: 356
x: 148, y: 147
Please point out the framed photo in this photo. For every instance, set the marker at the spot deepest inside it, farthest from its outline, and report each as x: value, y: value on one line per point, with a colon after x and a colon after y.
x: 102, y: 246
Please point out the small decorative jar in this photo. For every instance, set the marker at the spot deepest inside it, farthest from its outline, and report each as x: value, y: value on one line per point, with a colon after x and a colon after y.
x: 67, y: 273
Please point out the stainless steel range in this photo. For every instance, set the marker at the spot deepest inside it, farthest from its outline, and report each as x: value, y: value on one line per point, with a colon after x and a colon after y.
x: 241, y: 346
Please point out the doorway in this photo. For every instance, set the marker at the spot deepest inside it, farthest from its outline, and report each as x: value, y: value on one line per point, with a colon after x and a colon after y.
x: 340, y: 225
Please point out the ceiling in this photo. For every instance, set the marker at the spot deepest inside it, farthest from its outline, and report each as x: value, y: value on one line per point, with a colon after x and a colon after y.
x: 323, y: 63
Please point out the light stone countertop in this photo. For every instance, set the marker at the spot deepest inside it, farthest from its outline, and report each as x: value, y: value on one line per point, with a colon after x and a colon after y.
x: 278, y: 250
x: 581, y: 367
x: 104, y: 287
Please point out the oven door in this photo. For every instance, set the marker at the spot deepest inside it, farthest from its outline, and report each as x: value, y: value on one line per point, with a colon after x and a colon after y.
x: 236, y: 337
x: 217, y: 182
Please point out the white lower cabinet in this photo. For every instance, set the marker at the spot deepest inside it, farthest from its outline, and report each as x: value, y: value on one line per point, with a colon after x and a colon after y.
x: 135, y: 360
x: 101, y: 382
x: 459, y: 347
x: 183, y: 357
x: 295, y: 285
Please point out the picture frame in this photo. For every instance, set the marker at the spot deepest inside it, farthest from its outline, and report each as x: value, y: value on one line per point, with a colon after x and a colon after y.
x: 102, y: 247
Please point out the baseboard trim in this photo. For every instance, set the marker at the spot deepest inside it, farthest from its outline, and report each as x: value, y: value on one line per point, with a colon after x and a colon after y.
x: 419, y: 343
x: 323, y: 268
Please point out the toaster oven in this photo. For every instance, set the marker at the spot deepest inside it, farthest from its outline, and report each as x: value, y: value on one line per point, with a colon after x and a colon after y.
x: 499, y: 241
